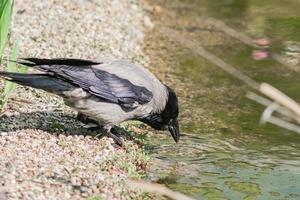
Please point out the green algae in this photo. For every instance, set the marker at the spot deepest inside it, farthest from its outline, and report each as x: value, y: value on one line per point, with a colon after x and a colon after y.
x: 229, y: 155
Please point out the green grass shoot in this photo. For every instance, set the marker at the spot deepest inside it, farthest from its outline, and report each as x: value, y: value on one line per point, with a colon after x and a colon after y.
x: 9, y: 86
x: 6, y: 7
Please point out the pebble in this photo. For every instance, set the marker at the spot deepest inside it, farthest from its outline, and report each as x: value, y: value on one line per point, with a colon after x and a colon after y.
x: 148, y: 23
x: 3, y: 195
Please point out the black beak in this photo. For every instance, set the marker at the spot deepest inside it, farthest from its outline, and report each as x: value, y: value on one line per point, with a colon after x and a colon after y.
x: 174, y: 129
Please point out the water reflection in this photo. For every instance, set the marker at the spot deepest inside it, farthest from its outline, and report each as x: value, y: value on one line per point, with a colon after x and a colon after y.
x: 225, y: 154
x: 227, y: 8
x: 206, y: 169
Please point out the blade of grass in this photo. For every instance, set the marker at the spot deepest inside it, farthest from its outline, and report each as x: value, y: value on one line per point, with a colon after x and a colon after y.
x: 8, y: 85
x: 5, y: 18
x: 6, y: 7
x: 23, y: 69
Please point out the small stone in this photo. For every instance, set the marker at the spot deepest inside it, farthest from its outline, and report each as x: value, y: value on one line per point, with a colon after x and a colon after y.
x: 3, y: 133
x: 148, y: 23
x: 95, y: 189
x: 158, y: 9
x: 73, y: 181
x: 3, y: 195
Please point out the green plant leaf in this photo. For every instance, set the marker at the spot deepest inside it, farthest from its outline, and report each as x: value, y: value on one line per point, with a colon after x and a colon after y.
x: 23, y: 69
x: 8, y: 85
x: 5, y: 18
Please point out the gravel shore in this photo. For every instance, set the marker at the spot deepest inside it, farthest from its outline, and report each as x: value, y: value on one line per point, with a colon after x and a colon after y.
x: 42, y: 152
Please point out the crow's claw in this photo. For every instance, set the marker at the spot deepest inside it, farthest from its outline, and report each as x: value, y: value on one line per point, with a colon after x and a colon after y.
x: 117, y: 139
x: 112, y: 133
x: 92, y: 125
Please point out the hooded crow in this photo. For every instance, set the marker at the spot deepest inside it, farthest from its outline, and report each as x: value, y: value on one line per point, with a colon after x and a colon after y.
x: 108, y: 91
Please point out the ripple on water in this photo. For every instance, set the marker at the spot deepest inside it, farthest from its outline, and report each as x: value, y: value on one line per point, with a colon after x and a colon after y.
x: 224, y: 153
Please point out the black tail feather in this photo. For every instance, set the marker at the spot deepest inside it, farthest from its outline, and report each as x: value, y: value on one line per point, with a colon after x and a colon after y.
x: 59, y: 61
x: 39, y: 81
x: 31, y: 62
x: 20, y: 61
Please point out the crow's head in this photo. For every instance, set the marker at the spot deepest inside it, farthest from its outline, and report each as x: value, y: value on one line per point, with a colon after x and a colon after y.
x: 167, y: 119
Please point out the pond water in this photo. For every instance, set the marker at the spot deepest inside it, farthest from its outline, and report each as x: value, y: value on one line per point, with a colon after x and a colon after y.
x: 224, y: 153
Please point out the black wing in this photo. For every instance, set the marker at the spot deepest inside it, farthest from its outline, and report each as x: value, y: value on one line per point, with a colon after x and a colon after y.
x: 100, y: 83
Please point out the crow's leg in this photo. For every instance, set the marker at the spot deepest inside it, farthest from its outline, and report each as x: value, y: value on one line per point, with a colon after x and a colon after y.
x: 91, y: 124
x: 112, y: 132
x: 85, y: 119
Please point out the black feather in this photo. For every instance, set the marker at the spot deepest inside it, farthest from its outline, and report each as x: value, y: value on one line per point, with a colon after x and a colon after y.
x: 59, y: 61
x: 39, y: 81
